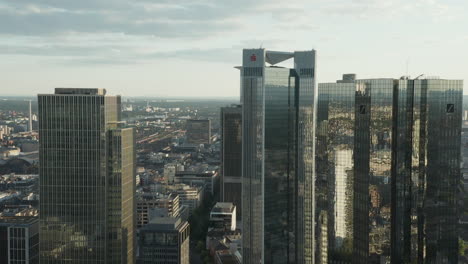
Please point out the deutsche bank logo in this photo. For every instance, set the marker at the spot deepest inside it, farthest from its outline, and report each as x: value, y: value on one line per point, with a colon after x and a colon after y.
x: 450, y: 108
x: 362, y: 109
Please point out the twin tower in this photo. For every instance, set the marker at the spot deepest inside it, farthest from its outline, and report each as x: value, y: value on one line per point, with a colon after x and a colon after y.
x: 358, y: 171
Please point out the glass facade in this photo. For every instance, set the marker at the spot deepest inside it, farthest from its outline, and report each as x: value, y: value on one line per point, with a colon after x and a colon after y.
x: 335, y: 163
x: 231, y: 156
x: 278, y: 164
x: 379, y: 163
x: 80, y: 195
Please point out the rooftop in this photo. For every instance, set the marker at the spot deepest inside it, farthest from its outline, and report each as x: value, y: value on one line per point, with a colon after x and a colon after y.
x: 81, y: 91
x: 223, y: 208
x: 18, y: 220
x: 164, y: 224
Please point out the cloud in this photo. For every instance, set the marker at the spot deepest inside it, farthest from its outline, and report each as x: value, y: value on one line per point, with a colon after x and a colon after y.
x: 93, y: 30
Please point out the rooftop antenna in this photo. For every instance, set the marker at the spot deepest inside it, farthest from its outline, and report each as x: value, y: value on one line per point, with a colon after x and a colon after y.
x: 421, y: 75
x: 261, y: 45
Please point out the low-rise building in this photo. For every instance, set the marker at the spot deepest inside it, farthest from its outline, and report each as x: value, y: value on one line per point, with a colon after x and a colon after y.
x: 209, y: 180
x: 223, y: 216
x: 189, y: 196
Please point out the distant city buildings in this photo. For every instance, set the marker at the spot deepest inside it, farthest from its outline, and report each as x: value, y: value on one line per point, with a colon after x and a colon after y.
x: 278, y: 131
x: 87, y: 172
x: 164, y: 240
x: 198, y: 131
x: 231, y: 156
x: 382, y: 146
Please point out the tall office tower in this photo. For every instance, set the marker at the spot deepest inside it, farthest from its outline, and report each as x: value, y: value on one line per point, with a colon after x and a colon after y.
x: 231, y: 156
x: 278, y: 157
x: 87, y: 179
x: 403, y: 136
x: 198, y: 131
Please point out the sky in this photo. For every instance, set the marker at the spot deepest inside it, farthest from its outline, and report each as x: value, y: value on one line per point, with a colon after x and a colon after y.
x: 188, y: 48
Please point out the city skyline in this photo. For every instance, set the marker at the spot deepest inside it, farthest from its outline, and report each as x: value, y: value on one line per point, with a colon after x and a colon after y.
x: 122, y: 44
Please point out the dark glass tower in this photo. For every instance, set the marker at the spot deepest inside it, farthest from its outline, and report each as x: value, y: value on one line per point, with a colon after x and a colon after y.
x: 386, y: 190
x: 87, y: 181
x: 278, y: 157
x: 231, y: 156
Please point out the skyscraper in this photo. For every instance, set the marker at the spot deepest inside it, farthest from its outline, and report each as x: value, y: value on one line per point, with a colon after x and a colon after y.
x: 87, y: 179
x: 402, y: 135
x: 278, y: 147
x: 231, y: 155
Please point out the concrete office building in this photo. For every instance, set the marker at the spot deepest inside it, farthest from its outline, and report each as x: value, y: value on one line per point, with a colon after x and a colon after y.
x: 231, y: 156
x: 147, y: 202
x: 207, y: 179
x: 165, y: 240
x: 189, y: 196
x: 19, y: 240
x: 403, y: 134
x: 87, y: 179
x: 198, y: 131
x: 278, y: 131
x: 223, y: 216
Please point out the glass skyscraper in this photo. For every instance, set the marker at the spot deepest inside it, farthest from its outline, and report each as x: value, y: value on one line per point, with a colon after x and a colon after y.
x: 231, y: 156
x: 388, y: 161
x: 278, y: 130
x: 87, y: 179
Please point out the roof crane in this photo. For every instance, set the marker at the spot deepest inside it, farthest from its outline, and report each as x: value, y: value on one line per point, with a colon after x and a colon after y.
x: 419, y: 76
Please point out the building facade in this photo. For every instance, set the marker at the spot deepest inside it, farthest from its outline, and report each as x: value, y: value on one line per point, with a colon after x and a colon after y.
x: 231, y: 156
x: 278, y: 131
x: 19, y: 240
x: 223, y: 216
x: 87, y: 179
x: 165, y: 240
x: 147, y: 202
x: 198, y: 131
x: 391, y: 136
